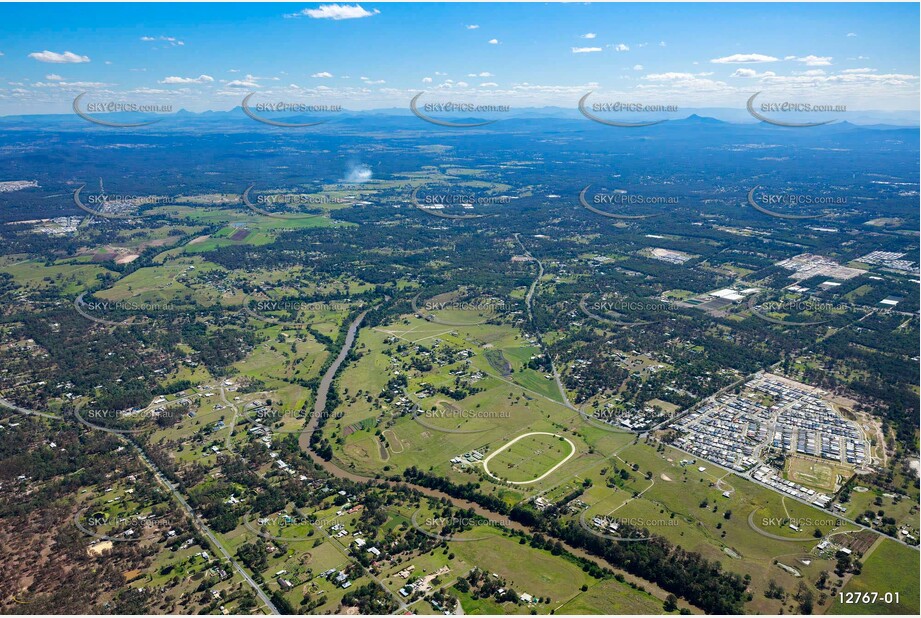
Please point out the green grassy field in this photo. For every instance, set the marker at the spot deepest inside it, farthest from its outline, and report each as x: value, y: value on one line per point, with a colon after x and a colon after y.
x: 903, y: 510
x: 687, y: 507
x: 891, y: 567
x: 821, y: 475
x: 529, y: 457
x: 602, y: 597
x: 67, y: 279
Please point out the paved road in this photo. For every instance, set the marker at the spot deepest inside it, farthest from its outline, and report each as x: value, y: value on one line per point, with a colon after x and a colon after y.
x: 528, y: 304
x: 776, y: 537
x: 553, y: 370
x: 196, y: 521
x: 540, y: 274
x: 200, y: 524
x: 12, y: 406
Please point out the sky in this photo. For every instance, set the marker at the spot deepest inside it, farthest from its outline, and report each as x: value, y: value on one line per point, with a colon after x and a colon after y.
x: 376, y: 55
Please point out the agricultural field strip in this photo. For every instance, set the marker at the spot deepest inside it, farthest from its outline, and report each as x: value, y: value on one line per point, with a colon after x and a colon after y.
x: 233, y: 421
x: 394, y: 334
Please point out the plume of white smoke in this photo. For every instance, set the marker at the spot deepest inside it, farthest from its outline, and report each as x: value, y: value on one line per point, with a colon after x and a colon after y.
x: 358, y: 173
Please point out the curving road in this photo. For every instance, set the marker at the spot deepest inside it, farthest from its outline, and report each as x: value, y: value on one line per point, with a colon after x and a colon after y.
x: 528, y: 303
x: 553, y: 370
x: 775, y: 537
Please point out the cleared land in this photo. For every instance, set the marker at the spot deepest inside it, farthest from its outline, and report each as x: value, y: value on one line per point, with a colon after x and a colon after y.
x: 879, y: 575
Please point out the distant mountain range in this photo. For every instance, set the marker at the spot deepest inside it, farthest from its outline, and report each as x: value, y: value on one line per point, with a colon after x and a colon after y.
x: 397, y: 116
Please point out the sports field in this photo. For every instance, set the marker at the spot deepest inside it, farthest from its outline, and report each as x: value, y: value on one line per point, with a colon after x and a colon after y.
x: 818, y: 474
x: 529, y: 457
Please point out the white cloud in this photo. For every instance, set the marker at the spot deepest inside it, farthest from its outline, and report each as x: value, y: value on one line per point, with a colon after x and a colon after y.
x: 336, y: 12
x: 851, y: 84
x: 859, y: 71
x: 670, y: 76
x: 173, y: 41
x: 55, y: 58
x: 588, y: 35
x: 150, y: 91
x: 815, y: 61
x: 585, y: 50
x: 62, y: 84
x: 621, y: 47
x: 482, y: 74
x: 372, y: 82
x: 749, y: 73
x: 201, y: 79
x: 745, y: 73
x: 426, y: 80
x: 661, y: 43
x: 323, y: 74
x: 851, y: 34
x: 462, y: 84
x: 743, y: 59
x: 472, y: 27
x: 54, y: 77
x: 493, y: 41
x: 488, y: 85
x: 637, y: 67
x: 239, y: 83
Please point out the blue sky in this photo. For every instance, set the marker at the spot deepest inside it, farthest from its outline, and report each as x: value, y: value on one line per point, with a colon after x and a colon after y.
x: 367, y: 55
